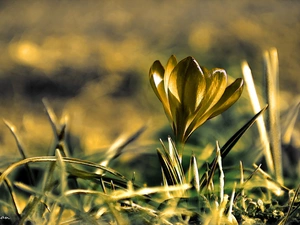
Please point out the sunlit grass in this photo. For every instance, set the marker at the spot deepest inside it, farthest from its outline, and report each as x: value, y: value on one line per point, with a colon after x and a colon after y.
x: 64, y: 188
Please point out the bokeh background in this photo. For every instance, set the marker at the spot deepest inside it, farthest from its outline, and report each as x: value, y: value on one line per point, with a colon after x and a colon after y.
x: 91, y: 59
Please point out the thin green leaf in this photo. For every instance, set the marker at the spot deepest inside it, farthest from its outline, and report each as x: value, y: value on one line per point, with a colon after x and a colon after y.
x: 290, y: 211
x: 241, y: 190
x: 13, y: 130
x: 12, y: 167
x: 171, y: 163
x: 234, y: 139
x: 193, y: 173
x: 264, y: 137
x: 51, y: 117
x: 167, y: 168
x: 229, y: 145
x: 209, y: 176
x: 63, y: 175
x: 273, y: 119
x: 57, y: 129
x: 221, y: 176
x: 13, y: 196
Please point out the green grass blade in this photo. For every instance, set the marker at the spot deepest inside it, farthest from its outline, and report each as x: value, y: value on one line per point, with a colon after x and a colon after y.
x: 221, y: 175
x: 13, y: 197
x: 118, y: 146
x: 234, y: 139
x: 63, y: 174
x: 171, y: 164
x: 57, y: 129
x: 290, y: 211
x: 13, y: 130
x: 110, y: 171
x: 54, y: 199
x: 227, y: 147
x: 168, y: 172
x: 271, y: 64
x: 193, y: 173
x: 264, y: 138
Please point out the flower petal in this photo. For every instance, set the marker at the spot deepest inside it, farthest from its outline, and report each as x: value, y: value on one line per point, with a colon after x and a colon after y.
x: 187, y: 84
x: 179, y: 116
x: 216, y: 82
x: 230, y: 96
x: 172, y: 62
x: 186, y: 89
x: 156, y: 76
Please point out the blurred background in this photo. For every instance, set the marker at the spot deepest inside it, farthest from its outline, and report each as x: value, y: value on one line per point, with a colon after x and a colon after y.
x: 91, y: 59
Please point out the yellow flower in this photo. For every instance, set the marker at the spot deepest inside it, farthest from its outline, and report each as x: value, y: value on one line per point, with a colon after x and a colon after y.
x: 191, y: 94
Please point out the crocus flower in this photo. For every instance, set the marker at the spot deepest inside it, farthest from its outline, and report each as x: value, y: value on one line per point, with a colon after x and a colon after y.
x: 191, y: 94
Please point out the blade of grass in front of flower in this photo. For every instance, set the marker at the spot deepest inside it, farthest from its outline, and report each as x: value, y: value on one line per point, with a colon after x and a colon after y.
x: 260, y: 121
x: 271, y: 64
x: 13, y: 130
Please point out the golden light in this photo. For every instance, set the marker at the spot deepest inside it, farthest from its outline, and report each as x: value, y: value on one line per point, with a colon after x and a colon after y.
x: 25, y: 52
